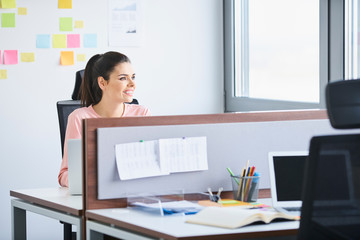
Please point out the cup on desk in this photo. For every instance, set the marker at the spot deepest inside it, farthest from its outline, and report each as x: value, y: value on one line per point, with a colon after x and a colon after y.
x: 245, y: 189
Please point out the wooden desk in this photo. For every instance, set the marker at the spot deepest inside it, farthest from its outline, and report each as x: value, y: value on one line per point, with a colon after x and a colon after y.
x: 55, y: 203
x: 125, y: 223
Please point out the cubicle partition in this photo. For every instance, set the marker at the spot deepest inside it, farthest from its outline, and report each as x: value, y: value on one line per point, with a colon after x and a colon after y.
x: 221, y: 130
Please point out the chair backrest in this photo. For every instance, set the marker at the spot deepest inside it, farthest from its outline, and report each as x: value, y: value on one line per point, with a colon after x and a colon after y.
x: 343, y: 103
x: 64, y: 108
x: 76, y: 95
x: 331, y: 193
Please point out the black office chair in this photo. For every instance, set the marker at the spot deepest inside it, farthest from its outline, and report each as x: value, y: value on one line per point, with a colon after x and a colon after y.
x: 331, y: 188
x: 331, y: 195
x: 343, y: 103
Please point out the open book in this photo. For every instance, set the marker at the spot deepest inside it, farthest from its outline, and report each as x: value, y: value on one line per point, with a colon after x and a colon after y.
x: 235, y: 217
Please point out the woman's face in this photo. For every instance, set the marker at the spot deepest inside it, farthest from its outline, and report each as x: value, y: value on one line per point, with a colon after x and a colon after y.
x: 121, y: 85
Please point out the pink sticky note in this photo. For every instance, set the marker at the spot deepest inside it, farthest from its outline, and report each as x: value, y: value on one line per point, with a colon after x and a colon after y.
x: 10, y: 57
x: 73, y: 40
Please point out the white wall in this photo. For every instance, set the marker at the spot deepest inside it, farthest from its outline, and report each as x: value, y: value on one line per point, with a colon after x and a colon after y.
x: 179, y: 71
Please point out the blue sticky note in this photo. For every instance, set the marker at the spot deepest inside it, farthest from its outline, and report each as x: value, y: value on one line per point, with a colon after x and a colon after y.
x: 43, y: 41
x: 90, y: 41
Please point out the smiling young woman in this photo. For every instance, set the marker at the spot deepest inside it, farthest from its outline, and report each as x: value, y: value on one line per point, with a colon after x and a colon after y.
x: 107, y: 87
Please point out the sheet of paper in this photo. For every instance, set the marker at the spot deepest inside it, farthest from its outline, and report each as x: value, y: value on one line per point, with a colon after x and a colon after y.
x: 7, y: 4
x: 138, y: 160
x: 65, y: 4
x: 73, y: 40
x: 90, y: 40
x: 8, y: 20
x: 65, y: 24
x: 43, y: 41
x: 59, y: 40
x: 124, y: 23
x: 27, y: 57
x: 183, y: 154
x: 10, y: 57
x: 67, y: 58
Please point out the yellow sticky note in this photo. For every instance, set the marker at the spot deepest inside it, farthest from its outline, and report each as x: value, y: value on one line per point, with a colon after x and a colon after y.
x: 3, y: 74
x: 27, y: 57
x: 67, y: 4
x: 67, y: 58
x: 22, y: 11
x: 81, y: 57
x: 79, y: 24
x: 59, y: 40
x: 7, y: 4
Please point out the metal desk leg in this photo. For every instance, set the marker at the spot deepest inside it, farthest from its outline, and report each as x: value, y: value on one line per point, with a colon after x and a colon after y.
x: 19, y: 208
x: 18, y: 224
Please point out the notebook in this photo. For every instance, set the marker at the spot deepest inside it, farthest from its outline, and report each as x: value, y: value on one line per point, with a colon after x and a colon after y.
x: 286, y: 180
x: 74, y: 166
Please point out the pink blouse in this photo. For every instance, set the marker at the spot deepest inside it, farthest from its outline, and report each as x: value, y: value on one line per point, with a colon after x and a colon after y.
x: 73, y: 130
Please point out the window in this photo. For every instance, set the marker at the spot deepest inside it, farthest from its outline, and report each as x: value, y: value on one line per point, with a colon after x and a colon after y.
x: 352, y: 32
x: 277, y: 53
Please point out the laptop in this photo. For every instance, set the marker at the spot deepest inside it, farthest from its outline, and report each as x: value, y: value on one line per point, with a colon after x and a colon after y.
x: 286, y: 180
x: 74, y: 166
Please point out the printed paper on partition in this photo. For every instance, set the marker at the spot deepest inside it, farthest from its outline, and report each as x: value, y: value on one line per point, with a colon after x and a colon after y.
x: 183, y: 154
x: 124, y: 23
x: 138, y: 160
x: 161, y: 157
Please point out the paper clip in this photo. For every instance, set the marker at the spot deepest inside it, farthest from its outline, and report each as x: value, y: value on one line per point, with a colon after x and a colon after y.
x: 215, y: 198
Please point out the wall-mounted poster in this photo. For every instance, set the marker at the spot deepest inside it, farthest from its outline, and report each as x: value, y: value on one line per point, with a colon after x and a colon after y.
x: 124, y: 23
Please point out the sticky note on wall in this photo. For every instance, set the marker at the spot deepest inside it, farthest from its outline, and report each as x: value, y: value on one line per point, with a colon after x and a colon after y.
x: 22, y: 11
x: 80, y: 57
x: 7, y: 20
x: 27, y: 57
x: 59, y: 40
x: 67, y: 4
x: 43, y: 41
x: 67, y: 58
x: 90, y: 41
x: 65, y: 24
x: 79, y: 24
x: 10, y: 57
x: 7, y: 4
x: 73, y: 40
x: 3, y: 74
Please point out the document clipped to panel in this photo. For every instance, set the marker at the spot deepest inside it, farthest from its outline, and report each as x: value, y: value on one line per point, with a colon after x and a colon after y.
x: 161, y: 157
x: 138, y: 160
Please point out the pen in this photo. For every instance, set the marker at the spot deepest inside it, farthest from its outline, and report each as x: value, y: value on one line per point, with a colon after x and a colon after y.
x: 253, y: 186
x: 241, y: 183
x: 232, y: 174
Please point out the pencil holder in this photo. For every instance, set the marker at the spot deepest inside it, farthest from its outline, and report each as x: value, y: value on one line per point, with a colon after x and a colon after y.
x: 245, y: 189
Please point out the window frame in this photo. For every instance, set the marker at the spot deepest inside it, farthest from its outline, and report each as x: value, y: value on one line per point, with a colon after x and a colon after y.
x: 331, y: 65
